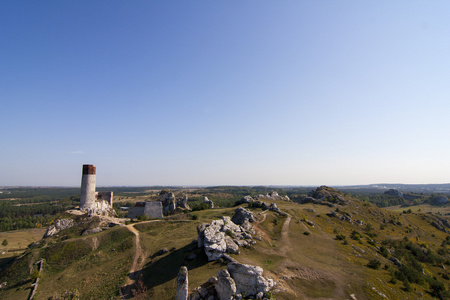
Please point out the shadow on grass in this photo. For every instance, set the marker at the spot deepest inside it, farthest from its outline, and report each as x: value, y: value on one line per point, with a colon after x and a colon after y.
x: 166, y: 267
x: 4, y: 262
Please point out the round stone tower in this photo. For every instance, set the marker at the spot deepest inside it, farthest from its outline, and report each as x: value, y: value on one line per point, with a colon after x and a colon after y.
x: 87, y: 198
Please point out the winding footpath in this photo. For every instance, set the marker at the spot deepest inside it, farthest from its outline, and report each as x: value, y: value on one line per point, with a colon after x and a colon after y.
x: 138, y: 261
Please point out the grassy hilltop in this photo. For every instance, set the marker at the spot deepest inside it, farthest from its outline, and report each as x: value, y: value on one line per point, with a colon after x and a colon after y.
x: 338, y: 248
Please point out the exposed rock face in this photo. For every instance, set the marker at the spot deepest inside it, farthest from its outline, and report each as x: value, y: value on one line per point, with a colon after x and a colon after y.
x: 182, y: 202
x: 215, y: 243
x: 168, y: 202
x: 224, y: 236
x: 182, y: 284
x: 269, y: 196
x: 57, y: 226
x: 206, y: 200
x: 249, y: 279
x: 394, y: 192
x: 240, y: 214
x: 326, y: 196
x: 235, y: 282
x: 225, y: 286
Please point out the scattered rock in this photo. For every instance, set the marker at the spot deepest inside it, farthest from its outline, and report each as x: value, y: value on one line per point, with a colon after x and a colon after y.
x: 396, y: 261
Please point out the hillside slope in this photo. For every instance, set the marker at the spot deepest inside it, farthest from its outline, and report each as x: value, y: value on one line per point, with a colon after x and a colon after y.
x: 336, y: 247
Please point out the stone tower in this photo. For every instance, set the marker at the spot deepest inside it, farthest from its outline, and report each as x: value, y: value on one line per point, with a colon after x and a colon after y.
x: 88, y: 196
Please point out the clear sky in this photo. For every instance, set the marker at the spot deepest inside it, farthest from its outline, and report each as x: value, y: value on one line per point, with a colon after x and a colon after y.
x: 224, y: 92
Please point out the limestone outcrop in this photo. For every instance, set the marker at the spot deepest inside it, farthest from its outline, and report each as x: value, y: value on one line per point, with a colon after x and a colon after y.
x: 182, y: 284
x: 224, y: 236
x: 249, y: 279
x: 57, y: 226
x: 268, y: 196
x: 182, y: 202
x: 209, y: 202
x: 240, y: 214
x: 236, y: 282
x: 168, y: 201
x: 225, y: 286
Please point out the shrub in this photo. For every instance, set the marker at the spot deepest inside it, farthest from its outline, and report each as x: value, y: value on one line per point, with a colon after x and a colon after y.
x: 306, y: 233
x: 355, y: 235
x: 194, y: 217
x: 374, y: 264
x: 340, y: 237
x: 384, y: 251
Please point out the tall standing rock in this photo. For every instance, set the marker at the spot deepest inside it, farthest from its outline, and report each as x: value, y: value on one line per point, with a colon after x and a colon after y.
x: 182, y: 284
x: 168, y: 201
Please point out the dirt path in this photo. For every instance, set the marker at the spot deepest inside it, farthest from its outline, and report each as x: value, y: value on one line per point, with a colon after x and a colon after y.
x: 285, y: 241
x: 138, y: 261
x: 262, y: 232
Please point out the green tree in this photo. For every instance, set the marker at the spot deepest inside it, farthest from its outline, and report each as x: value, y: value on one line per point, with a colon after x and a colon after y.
x: 5, y: 242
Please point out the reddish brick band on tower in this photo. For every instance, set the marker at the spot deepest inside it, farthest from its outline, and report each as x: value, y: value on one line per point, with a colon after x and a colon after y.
x: 88, y: 170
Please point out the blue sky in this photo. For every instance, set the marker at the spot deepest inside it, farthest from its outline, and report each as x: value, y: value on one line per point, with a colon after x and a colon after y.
x: 224, y: 92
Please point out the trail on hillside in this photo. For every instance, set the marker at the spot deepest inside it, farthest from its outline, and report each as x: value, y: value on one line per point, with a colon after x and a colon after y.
x: 138, y: 261
x: 285, y: 241
x: 262, y: 232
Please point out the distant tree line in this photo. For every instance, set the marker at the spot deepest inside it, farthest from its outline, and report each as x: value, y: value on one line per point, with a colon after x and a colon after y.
x: 16, y: 215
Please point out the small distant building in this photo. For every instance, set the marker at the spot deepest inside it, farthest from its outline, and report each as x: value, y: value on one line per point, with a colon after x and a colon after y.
x: 152, y: 209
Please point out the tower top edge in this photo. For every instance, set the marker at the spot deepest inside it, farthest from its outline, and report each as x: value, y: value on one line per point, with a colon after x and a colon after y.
x: 88, y: 170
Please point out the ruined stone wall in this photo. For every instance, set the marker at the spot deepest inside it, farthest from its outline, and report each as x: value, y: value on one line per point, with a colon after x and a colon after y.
x: 153, y: 209
x: 134, y: 212
x: 106, y: 196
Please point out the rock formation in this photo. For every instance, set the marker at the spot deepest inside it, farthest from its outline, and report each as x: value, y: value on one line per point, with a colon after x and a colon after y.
x: 57, y: 226
x: 240, y: 214
x: 182, y: 202
x: 182, y: 284
x: 249, y: 279
x: 269, y: 196
x: 225, y: 286
x: 237, y: 281
x: 168, y: 202
x: 224, y: 236
x: 206, y: 200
